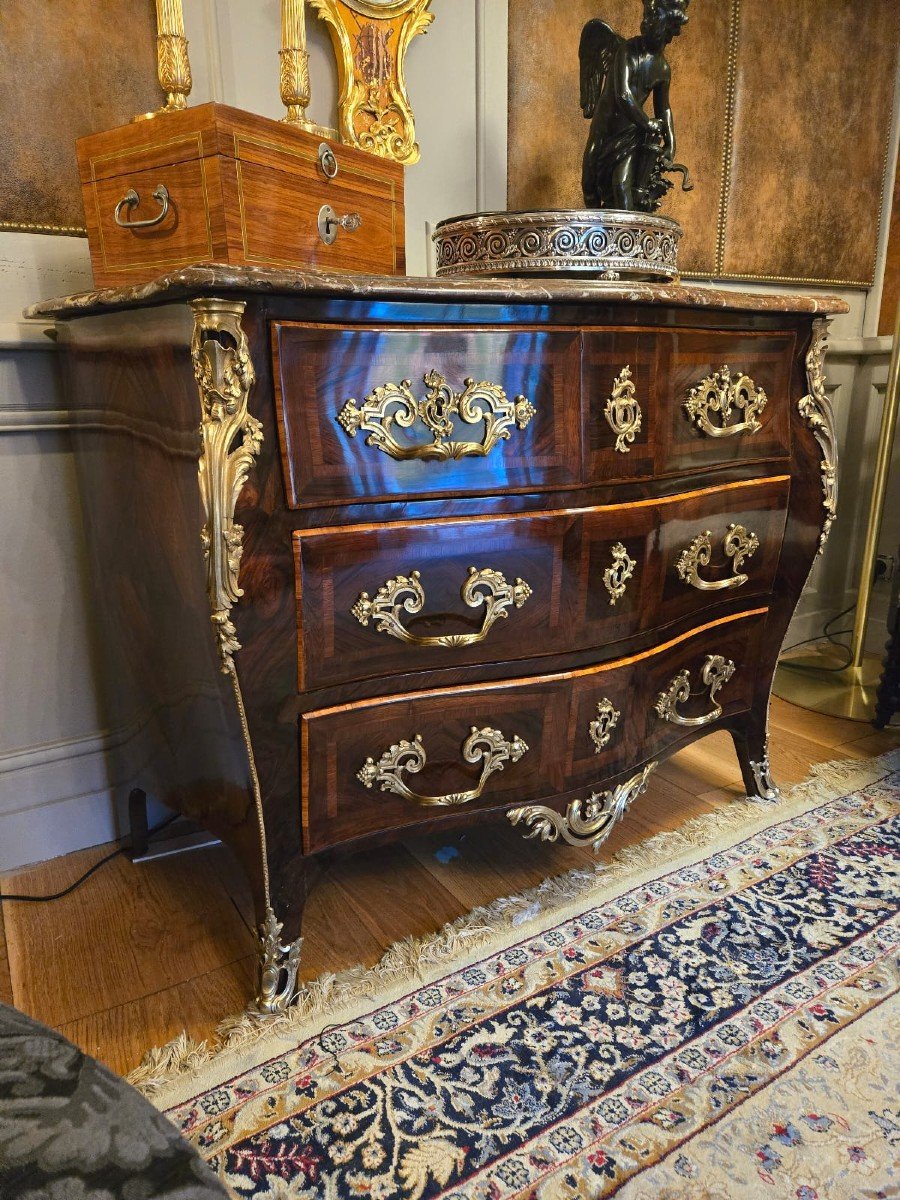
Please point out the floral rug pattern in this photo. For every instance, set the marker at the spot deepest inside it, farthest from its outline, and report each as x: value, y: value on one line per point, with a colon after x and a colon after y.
x: 724, y: 1030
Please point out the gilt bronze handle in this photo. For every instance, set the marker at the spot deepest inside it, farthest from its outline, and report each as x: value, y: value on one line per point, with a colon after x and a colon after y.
x: 712, y: 403
x: 392, y: 407
x: 738, y: 545
x: 132, y: 199
x: 405, y: 593
x: 715, y: 674
x: 487, y: 746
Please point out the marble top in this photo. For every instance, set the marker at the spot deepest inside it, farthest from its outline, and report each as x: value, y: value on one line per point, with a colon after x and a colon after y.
x: 217, y: 279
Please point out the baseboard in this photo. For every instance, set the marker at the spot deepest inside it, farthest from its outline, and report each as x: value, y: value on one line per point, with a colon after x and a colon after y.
x: 61, y: 796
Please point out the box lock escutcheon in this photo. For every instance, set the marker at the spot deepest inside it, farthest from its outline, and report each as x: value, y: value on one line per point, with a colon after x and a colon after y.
x: 330, y: 223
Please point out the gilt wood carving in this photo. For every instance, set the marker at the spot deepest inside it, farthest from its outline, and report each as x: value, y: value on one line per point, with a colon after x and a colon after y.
x: 370, y: 39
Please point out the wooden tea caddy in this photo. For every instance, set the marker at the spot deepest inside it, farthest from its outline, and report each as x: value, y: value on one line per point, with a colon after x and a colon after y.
x: 216, y: 184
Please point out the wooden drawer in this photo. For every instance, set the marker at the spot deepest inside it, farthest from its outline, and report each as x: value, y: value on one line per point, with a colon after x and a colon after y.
x: 526, y: 741
x: 700, y: 398
x: 508, y: 588
x: 376, y: 413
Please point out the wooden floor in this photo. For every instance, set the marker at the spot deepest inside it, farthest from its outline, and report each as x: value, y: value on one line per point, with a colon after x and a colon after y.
x: 141, y: 952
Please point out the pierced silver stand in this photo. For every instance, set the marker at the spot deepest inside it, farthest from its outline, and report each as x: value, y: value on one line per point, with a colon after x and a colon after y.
x: 596, y: 243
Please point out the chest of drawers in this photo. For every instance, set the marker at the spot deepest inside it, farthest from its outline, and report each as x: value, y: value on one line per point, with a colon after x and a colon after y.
x: 454, y: 552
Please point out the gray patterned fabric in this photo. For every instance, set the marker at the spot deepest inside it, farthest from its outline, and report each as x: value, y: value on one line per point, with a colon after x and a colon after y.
x: 72, y: 1130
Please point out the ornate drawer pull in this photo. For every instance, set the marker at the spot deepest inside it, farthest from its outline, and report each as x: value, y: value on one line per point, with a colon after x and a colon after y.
x: 393, y: 405
x: 590, y: 826
x: 615, y: 578
x: 715, y: 674
x: 623, y: 413
x: 719, y: 395
x: 132, y: 199
x: 738, y: 545
x: 600, y: 729
x: 330, y: 224
x: 487, y: 746
x: 406, y: 594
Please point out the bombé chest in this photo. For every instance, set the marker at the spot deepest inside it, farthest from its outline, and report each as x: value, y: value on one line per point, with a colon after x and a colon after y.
x: 441, y: 553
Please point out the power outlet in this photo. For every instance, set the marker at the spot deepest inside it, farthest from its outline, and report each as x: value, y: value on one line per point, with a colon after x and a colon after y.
x: 885, y: 566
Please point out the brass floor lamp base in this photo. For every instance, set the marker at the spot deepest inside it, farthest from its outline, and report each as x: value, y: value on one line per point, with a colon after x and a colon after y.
x: 810, y: 681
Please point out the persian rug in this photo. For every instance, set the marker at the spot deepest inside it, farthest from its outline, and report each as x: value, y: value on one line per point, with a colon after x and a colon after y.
x: 709, y: 1017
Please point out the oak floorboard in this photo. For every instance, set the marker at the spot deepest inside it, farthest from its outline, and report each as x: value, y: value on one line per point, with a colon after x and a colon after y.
x: 121, y: 1035
x: 334, y: 939
x: 833, y: 731
x: 710, y: 762
x: 6, y: 987
x: 141, y: 927
x: 497, y: 861
x: 379, y: 885
x: 875, y: 742
x: 140, y: 953
x: 791, y: 755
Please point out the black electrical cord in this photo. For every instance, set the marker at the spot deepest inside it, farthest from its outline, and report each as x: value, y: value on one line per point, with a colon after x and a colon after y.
x: 830, y: 637
x: 9, y: 896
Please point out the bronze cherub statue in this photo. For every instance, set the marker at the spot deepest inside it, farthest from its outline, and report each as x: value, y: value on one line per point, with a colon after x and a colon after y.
x: 628, y: 152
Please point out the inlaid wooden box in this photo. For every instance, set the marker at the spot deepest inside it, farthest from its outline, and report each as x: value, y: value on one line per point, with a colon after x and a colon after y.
x: 215, y: 184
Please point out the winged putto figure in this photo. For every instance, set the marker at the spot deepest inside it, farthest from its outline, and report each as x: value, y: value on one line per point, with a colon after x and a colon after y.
x: 629, y: 152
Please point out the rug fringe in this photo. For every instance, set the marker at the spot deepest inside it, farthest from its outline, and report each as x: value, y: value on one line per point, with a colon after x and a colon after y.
x: 408, y: 959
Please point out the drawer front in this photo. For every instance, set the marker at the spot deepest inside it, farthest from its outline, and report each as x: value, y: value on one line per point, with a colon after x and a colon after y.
x: 412, y: 596
x: 717, y: 544
x: 180, y: 233
x: 660, y: 403
x: 279, y: 203
x: 386, y: 764
x: 370, y: 414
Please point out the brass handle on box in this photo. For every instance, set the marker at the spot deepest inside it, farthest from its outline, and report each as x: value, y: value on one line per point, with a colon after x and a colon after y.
x: 405, y: 593
x: 738, y: 545
x: 327, y: 161
x: 330, y: 223
x: 487, y: 746
x: 715, y: 674
x: 132, y: 199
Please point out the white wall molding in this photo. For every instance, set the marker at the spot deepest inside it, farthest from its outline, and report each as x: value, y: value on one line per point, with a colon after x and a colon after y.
x: 66, y: 795
x: 34, y: 420
x: 25, y: 335
x: 59, y: 797
x: 860, y: 347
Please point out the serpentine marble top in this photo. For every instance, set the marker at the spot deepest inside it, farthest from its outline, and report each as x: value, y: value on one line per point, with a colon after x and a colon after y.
x: 212, y: 278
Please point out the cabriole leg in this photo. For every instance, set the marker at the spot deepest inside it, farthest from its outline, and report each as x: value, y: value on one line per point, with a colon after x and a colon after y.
x: 279, y: 939
x: 753, y: 756
x: 278, y: 966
